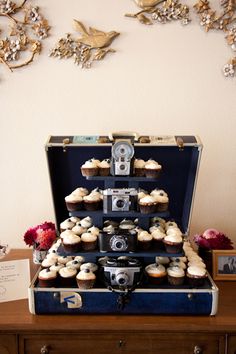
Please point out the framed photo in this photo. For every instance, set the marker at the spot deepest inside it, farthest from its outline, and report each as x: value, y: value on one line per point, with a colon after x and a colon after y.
x: 224, y: 264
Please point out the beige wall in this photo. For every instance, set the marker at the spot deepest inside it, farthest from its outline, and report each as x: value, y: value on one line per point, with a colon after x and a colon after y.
x: 164, y: 79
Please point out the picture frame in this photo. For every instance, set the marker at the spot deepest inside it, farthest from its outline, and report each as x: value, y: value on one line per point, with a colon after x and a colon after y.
x: 224, y: 264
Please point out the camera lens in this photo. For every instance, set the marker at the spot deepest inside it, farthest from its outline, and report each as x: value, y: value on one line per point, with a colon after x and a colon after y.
x: 122, y: 167
x: 118, y: 243
x: 122, y: 278
x: 120, y: 203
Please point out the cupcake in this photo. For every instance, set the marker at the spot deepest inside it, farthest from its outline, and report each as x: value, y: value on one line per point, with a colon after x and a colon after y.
x: 162, y: 260
x: 85, y: 279
x: 81, y: 191
x: 88, y: 241
x: 158, y: 237
x: 67, y: 276
x: 173, y: 243
x: 79, y: 259
x: 92, y: 202
x: 56, y: 267
x: 64, y: 259
x: 78, y: 229
x: 94, y: 230
x: 91, y: 266
x: 158, y: 227
x: 196, y: 276
x: 162, y: 202
x: 49, y: 260
x: 74, y: 202
x: 86, y: 222
x: 156, y: 273
x: 144, y: 240
x: 71, y: 242
x: 67, y: 225
x: 152, y: 169
x: 175, y: 275
x: 89, y: 168
x: 104, y: 167
x: 147, y: 205
x: 73, y: 264
x: 179, y: 264
x: 47, y: 278
x: 139, y: 167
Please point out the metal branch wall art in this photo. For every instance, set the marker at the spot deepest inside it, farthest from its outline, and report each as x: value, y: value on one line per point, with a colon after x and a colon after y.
x: 224, y: 22
x: 161, y: 11
x: 19, y: 39
x: 92, y: 45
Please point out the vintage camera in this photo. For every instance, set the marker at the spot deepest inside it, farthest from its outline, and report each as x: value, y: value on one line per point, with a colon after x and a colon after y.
x: 122, y: 154
x: 125, y: 241
x: 119, y: 199
x: 121, y: 272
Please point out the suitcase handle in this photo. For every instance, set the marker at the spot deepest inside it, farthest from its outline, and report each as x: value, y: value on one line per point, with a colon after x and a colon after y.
x: 125, y: 134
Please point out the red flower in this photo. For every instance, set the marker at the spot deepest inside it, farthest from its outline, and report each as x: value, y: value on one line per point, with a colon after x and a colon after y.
x: 41, y: 236
x: 214, y: 240
x: 30, y: 236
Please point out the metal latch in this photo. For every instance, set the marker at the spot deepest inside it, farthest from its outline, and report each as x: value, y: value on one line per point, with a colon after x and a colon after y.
x: 180, y: 143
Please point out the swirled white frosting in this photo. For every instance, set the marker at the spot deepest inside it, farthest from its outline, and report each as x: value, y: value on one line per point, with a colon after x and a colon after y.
x: 196, y: 271
x: 152, y: 164
x: 67, y: 272
x: 139, y: 163
x: 175, y: 271
x: 173, y: 238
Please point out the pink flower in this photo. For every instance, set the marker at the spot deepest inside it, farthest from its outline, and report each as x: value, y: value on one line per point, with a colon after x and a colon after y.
x: 41, y: 236
x: 214, y: 240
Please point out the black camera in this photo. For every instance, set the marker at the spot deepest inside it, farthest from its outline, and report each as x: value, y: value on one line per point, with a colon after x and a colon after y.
x: 121, y: 272
x: 122, y: 154
x: 119, y: 199
x: 125, y: 241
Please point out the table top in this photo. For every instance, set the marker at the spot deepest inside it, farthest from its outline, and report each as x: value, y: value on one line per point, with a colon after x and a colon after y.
x: 15, y: 315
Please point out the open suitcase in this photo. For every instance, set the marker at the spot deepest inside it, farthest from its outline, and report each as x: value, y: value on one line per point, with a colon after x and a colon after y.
x: 180, y: 158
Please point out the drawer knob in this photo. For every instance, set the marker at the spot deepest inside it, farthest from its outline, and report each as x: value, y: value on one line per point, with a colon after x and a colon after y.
x: 121, y: 343
x: 197, y: 350
x: 44, y: 350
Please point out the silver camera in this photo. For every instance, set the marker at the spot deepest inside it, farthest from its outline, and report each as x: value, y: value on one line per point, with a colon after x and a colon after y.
x: 122, y: 160
x: 119, y: 199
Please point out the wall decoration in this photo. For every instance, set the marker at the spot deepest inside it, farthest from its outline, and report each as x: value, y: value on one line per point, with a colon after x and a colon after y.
x: 92, y: 45
x: 19, y: 46
x: 224, y: 22
x: 161, y: 11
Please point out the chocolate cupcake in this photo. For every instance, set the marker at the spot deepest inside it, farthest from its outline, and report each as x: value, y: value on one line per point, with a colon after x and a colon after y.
x: 175, y: 275
x: 74, y: 202
x: 144, y: 240
x: 87, y: 221
x: 152, y: 169
x: 92, y: 201
x: 71, y: 242
x: 158, y: 237
x: 67, y: 276
x: 88, y: 241
x: 173, y: 243
x: 47, y: 278
x: 147, y: 205
x: 67, y: 224
x: 139, y: 167
x: 196, y: 276
x: 104, y: 167
x: 89, y: 168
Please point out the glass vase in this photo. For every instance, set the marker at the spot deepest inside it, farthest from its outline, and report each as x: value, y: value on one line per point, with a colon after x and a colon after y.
x: 38, y: 255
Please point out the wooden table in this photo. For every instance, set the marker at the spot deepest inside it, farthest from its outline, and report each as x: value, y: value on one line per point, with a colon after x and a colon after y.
x: 22, y: 332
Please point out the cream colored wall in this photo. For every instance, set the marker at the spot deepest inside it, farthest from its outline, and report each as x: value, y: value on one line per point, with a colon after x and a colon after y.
x: 163, y: 79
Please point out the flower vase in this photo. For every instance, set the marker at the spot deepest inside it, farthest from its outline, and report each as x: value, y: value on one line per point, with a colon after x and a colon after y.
x: 38, y: 255
x: 206, y: 255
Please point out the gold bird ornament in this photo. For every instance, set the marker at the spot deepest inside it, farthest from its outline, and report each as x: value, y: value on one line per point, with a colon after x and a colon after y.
x: 147, y: 3
x: 92, y: 45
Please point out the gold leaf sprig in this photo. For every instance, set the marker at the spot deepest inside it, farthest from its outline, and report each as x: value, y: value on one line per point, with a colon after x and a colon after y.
x: 161, y: 11
x: 210, y: 20
x: 92, y: 45
x: 19, y: 39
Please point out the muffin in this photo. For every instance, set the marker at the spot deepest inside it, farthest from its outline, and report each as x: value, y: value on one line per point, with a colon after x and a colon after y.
x: 47, y: 278
x: 152, y: 169
x: 104, y: 167
x: 88, y: 241
x: 175, y: 275
x: 89, y: 168
x: 74, y: 202
x: 156, y: 273
x: 196, y: 276
x: 92, y: 202
x: 144, y: 240
x: 67, y: 224
x: 147, y: 205
x: 139, y: 167
x: 85, y: 279
x: 173, y: 243
x: 67, y: 276
x: 71, y: 242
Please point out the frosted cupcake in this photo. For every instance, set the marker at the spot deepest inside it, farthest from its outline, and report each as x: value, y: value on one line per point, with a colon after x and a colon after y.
x: 78, y: 229
x: 89, y: 168
x: 92, y: 202
x: 85, y: 279
x: 73, y: 264
x: 144, y: 240
x: 175, y: 275
x: 104, y: 167
x: 147, y: 205
x: 158, y: 237
x: 94, y: 230
x: 152, y: 169
x: 47, y: 278
x: 156, y: 273
x: 66, y: 225
x: 139, y: 167
x: 161, y: 198
x: 91, y: 266
x: 71, y: 242
x: 196, y: 276
x: 86, y: 222
x: 88, y: 241
x: 173, y: 243
x: 81, y: 191
x: 64, y: 259
x: 74, y: 202
x: 49, y: 260
x: 67, y: 276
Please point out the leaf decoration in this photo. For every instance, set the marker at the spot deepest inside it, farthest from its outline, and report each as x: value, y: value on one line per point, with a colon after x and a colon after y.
x: 144, y: 19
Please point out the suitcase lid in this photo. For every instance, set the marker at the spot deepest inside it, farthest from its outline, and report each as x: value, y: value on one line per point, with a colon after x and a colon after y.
x: 178, y: 155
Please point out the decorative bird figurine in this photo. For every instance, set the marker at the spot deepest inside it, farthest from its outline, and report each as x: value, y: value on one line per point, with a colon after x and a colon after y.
x: 93, y: 37
x: 147, y: 3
